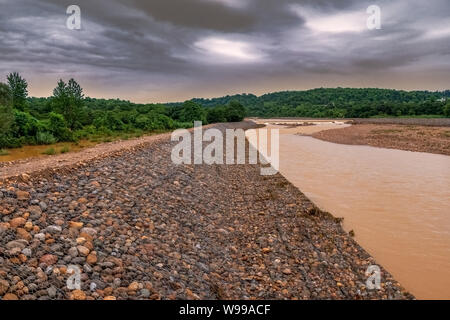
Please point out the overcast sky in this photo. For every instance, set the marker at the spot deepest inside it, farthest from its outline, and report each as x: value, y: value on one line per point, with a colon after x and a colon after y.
x: 173, y: 50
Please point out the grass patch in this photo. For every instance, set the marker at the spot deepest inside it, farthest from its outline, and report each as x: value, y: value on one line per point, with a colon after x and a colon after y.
x: 65, y: 149
x: 385, y: 131
x: 3, y: 152
x: 49, y: 151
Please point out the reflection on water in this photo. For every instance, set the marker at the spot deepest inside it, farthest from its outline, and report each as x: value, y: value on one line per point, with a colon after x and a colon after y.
x: 397, y: 202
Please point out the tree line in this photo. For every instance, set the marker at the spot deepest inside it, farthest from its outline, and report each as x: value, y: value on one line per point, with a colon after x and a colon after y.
x: 341, y: 103
x: 69, y: 116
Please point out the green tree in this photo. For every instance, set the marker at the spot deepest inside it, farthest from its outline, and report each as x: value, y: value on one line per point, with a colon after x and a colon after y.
x: 446, y: 109
x: 216, y: 115
x: 58, y: 127
x: 191, y: 112
x: 68, y: 100
x: 235, y: 112
x: 6, y: 112
x: 25, y: 125
x: 19, y: 92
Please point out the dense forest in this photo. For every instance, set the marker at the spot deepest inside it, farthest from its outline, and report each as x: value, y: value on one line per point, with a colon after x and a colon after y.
x: 341, y: 103
x: 70, y: 116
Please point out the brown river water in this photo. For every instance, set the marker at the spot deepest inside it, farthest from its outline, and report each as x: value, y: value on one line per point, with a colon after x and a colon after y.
x: 397, y: 202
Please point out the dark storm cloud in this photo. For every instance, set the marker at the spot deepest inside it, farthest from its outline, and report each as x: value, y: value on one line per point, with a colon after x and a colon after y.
x: 169, y: 49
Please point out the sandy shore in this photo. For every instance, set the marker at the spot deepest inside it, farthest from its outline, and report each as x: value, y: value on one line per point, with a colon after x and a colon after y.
x: 432, y: 139
x: 139, y: 227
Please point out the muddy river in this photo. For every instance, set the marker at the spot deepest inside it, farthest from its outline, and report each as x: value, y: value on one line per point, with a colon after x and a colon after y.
x: 397, y: 202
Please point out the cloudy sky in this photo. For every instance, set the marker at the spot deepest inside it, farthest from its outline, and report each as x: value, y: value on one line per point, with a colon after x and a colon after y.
x: 172, y: 50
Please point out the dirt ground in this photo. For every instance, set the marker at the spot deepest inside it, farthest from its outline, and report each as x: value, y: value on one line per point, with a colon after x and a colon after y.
x: 392, y: 136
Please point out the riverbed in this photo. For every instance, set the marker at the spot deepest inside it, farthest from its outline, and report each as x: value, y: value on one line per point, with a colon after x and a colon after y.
x: 396, y: 202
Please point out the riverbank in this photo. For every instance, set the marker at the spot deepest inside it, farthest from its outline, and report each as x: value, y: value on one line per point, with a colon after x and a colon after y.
x: 419, y: 138
x: 140, y: 227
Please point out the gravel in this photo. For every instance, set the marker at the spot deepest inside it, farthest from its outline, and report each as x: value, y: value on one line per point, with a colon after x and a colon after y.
x: 136, y: 226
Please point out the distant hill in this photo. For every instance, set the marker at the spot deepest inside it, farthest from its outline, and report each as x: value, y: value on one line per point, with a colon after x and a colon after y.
x: 338, y: 102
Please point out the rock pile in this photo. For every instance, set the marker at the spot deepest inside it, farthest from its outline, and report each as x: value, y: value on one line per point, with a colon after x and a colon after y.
x: 136, y: 226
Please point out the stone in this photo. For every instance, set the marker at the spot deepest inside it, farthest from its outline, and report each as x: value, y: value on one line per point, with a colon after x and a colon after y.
x: 75, y: 225
x: 52, y: 291
x: 81, y: 240
x: 22, y: 195
x: 91, y: 258
x: 83, y: 250
x: 40, y: 236
x: 82, y: 200
x: 48, y: 259
x: 73, y: 252
x: 43, y: 206
x: 90, y: 231
x: 134, y: 286
x: 23, y: 234
x: 110, y: 298
x: 16, y: 244
x: 53, y: 229
x: 266, y: 250
x: 10, y: 296
x: 35, y: 211
x: 95, y: 184
x: 287, y: 271
x: 4, y: 286
x: 27, y: 252
x: 145, y: 293
x: 4, y: 226
x: 17, y: 222
x: 29, y: 226
x: 77, y: 295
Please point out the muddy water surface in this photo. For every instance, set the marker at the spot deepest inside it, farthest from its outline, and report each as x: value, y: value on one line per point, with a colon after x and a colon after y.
x: 397, y: 202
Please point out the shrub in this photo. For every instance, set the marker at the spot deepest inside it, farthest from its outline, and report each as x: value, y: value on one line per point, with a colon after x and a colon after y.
x: 216, y: 115
x: 49, y: 151
x: 25, y: 124
x: 7, y: 141
x: 65, y: 149
x: 191, y: 112
x: 235, y: 112
x: 45, y: 138
x: 59, y: 129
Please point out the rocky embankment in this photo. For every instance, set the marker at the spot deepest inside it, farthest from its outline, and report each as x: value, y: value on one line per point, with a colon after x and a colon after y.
x: 139, y: 227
